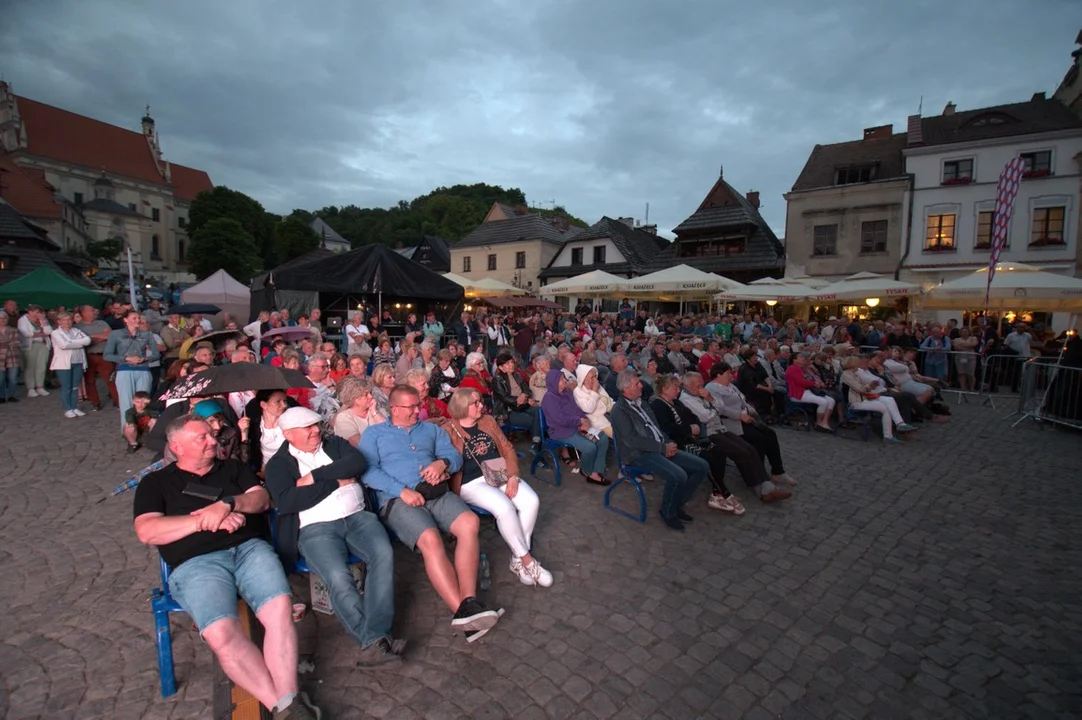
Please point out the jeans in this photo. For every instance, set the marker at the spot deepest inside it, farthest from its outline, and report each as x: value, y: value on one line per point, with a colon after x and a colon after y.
x: 69, y: 385
x: 682, y: 473
x: 9, y: 382
x: 528, y: 419
x: 515, y: 518
x: 593, y: 455
x: 326, y: 547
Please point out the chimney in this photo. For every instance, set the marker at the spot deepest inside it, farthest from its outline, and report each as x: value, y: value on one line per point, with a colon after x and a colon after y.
x: 561, y: 223
x: 914, y: 131
x: 521, y: 210
x: 630, y: 222
x: 878, y: 133
x: 949, y: 109
x: 753, y: 198
x: 1038, y: 96
x: 652, y: 229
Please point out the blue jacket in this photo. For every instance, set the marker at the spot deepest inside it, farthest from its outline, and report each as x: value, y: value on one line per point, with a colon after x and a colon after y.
x: 396, y: 456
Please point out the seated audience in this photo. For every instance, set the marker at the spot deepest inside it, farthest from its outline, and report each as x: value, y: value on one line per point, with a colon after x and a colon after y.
x: 865, y: 395
x: 644, y: 445
x: 445, y: 376
x: 408, y: 463
x: 382, y: 383
x: 567, y: 423
x: 358, y: 409
x: 322, y: 515
x: 431, y: 408
x: 512, y: 403
x: 489, y: 479
x: 593, y: 399
x: 214, y: 545
x: 264, y: 435
x: 806, y: 387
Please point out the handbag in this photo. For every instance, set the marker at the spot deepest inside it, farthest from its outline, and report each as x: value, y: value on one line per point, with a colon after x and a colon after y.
x: 494, y: 471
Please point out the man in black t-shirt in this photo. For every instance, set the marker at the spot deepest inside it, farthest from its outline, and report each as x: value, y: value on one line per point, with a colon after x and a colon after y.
x: 206, y: 518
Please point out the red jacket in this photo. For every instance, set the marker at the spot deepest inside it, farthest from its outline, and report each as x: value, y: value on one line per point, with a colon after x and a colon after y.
x: 705, y: 363
x: 798, y: 380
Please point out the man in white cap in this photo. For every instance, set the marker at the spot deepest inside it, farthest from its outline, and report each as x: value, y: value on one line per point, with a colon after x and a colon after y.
x: 827, y: 331
x: 316, y: 487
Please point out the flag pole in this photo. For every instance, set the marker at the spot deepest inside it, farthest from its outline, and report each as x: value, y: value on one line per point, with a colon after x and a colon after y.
x: 131, y: 283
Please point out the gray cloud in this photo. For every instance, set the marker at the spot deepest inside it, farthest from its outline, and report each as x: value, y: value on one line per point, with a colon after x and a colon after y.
x: 603, y: 106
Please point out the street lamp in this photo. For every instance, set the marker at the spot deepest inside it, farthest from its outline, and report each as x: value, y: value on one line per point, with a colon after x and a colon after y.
x: 771, y: 303
x: 871, y: 302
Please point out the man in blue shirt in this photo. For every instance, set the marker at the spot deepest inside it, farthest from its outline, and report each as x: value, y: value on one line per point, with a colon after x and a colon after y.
x: 408, y: 466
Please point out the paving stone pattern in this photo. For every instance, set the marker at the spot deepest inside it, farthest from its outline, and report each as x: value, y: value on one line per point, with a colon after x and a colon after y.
x: 938, y: 579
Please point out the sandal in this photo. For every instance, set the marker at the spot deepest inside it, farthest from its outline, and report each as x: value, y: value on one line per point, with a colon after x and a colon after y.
x: 602, y: 481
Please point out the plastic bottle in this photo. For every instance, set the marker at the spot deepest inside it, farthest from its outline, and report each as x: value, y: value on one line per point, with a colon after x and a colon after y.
x: 485, y: 573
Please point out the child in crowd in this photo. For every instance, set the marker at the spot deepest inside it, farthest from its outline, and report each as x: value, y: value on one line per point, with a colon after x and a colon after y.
x: 137, y: 420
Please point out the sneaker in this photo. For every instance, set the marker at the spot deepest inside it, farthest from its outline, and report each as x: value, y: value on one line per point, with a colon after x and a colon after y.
x: 97, y: 407
x: 43, y: 392
x: 906, y: 427
x: 726, y: 504
x: 31, y: 392
x: 472, y: 615
x: 132, y: 449
x: 70, y: 414
x: 533, y: 574
x: 300, y: 709
x: 785, y: 479
x: 398, y: 646
x: 79, y: 413
x: 892, y: 440
x: 475, y: 635
x: 379, y: 655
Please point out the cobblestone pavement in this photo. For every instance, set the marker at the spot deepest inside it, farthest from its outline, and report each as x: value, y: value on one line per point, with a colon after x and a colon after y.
x: 936, y: 579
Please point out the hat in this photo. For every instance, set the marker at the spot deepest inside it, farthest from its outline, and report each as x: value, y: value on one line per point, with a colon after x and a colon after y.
x: 208, y: 408
x: 298, y: 417
x: 205, y: 344
x: 832, y: 319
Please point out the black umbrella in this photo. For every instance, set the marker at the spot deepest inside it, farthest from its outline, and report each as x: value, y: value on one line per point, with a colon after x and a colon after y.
x: 194, y: 309
x: 236, y: 377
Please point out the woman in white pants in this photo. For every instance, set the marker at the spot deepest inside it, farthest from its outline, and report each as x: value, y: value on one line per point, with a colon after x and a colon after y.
x: 804, y: 386
x: 512, y: 502
x: 863, y: 396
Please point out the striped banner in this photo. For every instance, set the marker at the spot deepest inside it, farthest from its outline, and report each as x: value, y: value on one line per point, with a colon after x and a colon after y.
x: 1006, y: 191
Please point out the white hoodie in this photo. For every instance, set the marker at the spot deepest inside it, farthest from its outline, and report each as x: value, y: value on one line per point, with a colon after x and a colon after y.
x: 595, y: 403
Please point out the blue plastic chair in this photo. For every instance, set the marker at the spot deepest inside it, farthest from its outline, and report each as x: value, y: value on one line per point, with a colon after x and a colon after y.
x: 301, y: 566
x: 161, y: 604
x: 508, y: 429
x: 806, y: 410
x: 549, y: 447
x: 862, y: 417
x: 629, y: 474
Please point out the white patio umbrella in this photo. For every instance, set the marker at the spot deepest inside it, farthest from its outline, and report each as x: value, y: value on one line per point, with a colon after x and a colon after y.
x: 593, y: 284
x: 768, y: 289
x: 866, y: 286
x: 1014, y: 286
x: 681, y: 279
x: 484, y: 286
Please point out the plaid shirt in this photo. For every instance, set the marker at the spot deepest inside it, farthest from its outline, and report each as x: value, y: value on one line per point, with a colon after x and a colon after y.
x: 10, y: 349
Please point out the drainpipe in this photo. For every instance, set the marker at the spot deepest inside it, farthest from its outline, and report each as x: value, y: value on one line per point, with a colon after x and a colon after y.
x: 909, y: 227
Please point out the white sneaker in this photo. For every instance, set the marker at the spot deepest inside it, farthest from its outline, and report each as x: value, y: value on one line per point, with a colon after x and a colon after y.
x: 43, y: 392
x: 70, y: 414
x: 726, y: 504
x: 532, y: 574
x: 31, y: 392
x: 79, y: 413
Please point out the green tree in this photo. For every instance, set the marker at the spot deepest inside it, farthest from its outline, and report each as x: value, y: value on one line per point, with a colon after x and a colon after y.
x: 293, y: 238
x: 224, y: 244
x: 108, y: 249
x: 221, y: 202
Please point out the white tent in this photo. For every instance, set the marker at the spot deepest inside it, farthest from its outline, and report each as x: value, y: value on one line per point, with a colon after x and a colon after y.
x: 222, y: 290
x: 592, y: 284
x: 485, y: 286
x: 806, y: 281
x: 1015, y: 286
x: 784, y: 291
x: 866, y: 285
x: 680, y: 280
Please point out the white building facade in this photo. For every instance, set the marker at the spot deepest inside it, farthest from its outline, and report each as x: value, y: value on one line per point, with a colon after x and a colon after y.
x: 955, y: 161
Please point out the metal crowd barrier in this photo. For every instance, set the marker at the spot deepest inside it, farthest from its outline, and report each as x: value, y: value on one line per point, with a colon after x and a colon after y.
x: 1050, y: 393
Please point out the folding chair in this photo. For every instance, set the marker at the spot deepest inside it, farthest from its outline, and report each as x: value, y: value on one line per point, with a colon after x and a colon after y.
x: 161, y: 604
x: 795, y: 407
x: 549, y: 447
x: 862, y: 417
x: 508, y: 429
x: 630, y: 474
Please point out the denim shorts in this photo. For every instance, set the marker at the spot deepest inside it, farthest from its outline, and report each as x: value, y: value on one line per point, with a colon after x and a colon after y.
x: 408, y: 523
x: 207, y: 586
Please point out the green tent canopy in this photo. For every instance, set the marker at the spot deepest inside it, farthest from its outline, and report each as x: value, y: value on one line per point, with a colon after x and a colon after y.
x: 48, y: 288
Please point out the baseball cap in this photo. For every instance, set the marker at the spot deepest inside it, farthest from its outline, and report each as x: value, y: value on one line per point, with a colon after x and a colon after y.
x: 205, y: 344
x: 298, y: 417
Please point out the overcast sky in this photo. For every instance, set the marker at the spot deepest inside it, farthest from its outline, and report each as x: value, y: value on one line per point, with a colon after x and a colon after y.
x: 600, y: 105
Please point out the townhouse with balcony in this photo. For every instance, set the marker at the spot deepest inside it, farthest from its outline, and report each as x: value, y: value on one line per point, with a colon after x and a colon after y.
x: 955, y: 160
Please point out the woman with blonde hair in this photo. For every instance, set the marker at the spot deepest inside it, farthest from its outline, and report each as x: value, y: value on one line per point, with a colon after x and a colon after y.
x: 407, y: 361
x: 382, y: 383
x: 489, y: 480
x: 358, y: 409
x: 431, y: 408
x: 69, y: 359
x: 865, y: 395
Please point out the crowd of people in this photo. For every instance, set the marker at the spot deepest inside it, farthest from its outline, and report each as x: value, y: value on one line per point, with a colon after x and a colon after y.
x: 408, y: 437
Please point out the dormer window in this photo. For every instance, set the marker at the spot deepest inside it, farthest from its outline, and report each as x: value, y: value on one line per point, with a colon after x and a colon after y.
x: 986, y: 120
x: 854, y: 175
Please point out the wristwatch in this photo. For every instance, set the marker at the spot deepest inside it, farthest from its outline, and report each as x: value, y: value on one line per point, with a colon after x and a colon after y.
x: 230, y: 501
x: 446, y: 462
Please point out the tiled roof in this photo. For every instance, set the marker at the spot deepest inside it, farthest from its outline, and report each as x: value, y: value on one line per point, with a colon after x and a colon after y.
x: 516, y: 229
x: 27, y: 191
x: 58, y: 134
x: 637, y: 246
x: 189, y: 182
x: 1024, y: 118
x: 14, y: 226
x: 726, y: 209
x: 884, y: 153
x: 565, y: 271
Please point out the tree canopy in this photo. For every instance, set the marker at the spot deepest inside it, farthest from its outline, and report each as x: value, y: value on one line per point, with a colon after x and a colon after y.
x: 447, y: 212
x: 221, y: 202
x: 293, y: 237
x: 223, y: 243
